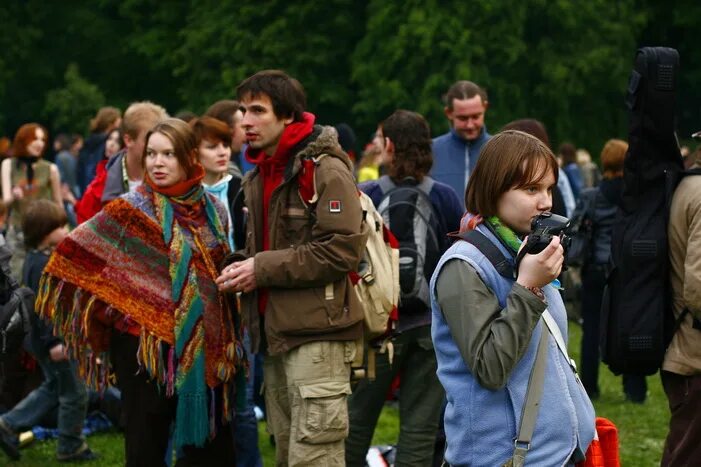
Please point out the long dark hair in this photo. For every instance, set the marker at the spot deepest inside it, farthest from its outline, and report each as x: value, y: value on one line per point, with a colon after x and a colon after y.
x: 411, y: 136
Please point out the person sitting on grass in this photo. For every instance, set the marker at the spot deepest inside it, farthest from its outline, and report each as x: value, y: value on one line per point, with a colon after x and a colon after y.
x: 44, y: 227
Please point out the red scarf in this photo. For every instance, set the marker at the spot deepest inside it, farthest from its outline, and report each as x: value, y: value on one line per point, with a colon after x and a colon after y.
x: 272, y: 169
x: 180, y: 188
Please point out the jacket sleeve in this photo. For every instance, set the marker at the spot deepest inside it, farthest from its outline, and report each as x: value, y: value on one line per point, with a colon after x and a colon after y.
x: 491, y: 340
x: 43, y: 330
x: 337, y: 241
x: 692, y: 261
x: 453, y: 212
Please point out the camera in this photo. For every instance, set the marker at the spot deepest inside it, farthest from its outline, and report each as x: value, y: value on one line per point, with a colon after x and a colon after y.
x: 543, y: 228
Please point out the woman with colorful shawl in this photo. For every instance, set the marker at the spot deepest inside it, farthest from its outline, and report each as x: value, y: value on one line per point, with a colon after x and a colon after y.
x: 133, y: 289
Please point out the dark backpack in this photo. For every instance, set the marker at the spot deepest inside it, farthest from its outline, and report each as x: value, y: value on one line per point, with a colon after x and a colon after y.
x: 637, y: 321
x: 582, y: 228
x: 15, y: 314
x: 409, y: 214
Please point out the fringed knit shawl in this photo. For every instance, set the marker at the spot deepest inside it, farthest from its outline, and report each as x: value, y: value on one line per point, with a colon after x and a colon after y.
x: 134, y: 262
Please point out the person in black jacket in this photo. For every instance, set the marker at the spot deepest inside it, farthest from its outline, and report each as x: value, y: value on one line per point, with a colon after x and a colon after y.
x: 600, y: 205
x: 44, y: 226
x: 106, y: 120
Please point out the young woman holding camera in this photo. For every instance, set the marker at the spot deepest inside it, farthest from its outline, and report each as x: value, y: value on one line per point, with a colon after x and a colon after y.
x: 487, y: 328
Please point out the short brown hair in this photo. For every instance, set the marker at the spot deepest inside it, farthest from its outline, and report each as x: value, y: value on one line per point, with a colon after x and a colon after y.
x: 510, y: 159
x: 42, y: 217
x: 224, y: 110
x: 184, y: 142
x: 210, y: 128
x: 463, y: 90
x: 531, y: 126
x: 568, y: 153
x: 285, y: 93
x: 612, y: 156
x: 24, y: 136
x: 141, y: 116
x: 411, y: 136
x: 105, y: 118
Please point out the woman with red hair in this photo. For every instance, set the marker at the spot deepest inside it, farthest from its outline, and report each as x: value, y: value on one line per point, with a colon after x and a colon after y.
x: 27, y: 177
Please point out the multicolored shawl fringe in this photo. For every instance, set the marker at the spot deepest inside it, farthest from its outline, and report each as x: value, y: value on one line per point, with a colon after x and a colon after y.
x: 133, y: 261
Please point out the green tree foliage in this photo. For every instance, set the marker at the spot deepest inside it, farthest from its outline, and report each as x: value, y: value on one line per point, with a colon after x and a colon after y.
x: 561, y: 61
x: 17, y: 42
x: 69, y: 107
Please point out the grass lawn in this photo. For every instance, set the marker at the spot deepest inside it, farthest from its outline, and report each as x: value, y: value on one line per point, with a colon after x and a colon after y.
x: 642, y: 428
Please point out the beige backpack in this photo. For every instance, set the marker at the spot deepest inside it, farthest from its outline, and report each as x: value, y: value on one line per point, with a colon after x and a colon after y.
x: 377, y: 286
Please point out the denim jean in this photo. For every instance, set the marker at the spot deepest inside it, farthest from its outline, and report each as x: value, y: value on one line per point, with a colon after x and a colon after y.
x: 63, y: 388
x: 245, y: 422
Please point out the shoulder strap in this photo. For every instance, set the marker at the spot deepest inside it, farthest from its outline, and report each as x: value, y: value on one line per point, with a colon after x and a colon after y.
x: 422, y: 190
x: 695, y: 171
x: 591, y: 207
x: 233, y: 190
x: 529, y: 414
x: 386, y: 184
x: 491, y: 251
x: 426, y: 185
x: 557, y: 335
x: 534, y: 392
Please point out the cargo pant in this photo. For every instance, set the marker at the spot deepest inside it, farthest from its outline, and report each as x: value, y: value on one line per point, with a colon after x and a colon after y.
x: 306, y: 392
x: 420, y: 400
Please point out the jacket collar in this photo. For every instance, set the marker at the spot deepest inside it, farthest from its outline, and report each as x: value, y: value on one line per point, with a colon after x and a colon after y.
x: 480, y: 139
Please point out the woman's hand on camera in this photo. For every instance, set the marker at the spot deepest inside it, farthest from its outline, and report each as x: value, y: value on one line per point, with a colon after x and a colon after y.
x: 541, y: 269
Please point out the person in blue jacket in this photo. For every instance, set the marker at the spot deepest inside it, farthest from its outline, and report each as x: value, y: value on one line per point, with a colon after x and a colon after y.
x: 486, y: 328
x: 455, y: 153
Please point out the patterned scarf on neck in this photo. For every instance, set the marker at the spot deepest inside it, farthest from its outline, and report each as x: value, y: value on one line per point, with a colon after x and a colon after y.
x: 192, y: 421
x: 506, y: 235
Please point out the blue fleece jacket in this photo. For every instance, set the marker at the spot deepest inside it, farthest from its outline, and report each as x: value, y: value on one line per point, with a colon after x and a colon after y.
x: 450, y: 153
x: 481, y: 424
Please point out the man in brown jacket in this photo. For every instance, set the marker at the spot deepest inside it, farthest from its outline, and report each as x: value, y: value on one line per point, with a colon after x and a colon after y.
x: 303, y: 238
x: 681, y: 369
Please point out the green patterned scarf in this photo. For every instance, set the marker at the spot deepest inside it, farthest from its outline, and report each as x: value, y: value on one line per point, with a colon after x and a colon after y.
x: 505, y: 234
x: 192, y: 419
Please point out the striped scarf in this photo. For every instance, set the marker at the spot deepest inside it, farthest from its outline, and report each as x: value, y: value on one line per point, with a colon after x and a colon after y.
x: 192, y: 421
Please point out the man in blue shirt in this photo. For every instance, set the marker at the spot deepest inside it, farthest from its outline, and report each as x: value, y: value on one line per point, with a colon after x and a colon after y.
x: 455, y: 153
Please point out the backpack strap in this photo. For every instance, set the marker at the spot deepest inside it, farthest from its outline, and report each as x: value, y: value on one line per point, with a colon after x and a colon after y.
x: 423, y: 189
x: 386, y: 184
x: 695, y: 171
x: 500, y: 262
x: 233, y: 190
x: 426, y: 185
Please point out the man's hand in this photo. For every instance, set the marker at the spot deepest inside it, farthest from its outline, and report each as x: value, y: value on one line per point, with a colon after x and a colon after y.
x: 58, y: 353
x: 17, y: 192
x: 238, y: 277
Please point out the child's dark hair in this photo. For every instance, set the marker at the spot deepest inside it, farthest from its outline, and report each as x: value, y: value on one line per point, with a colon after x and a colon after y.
x: 40, y: 219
